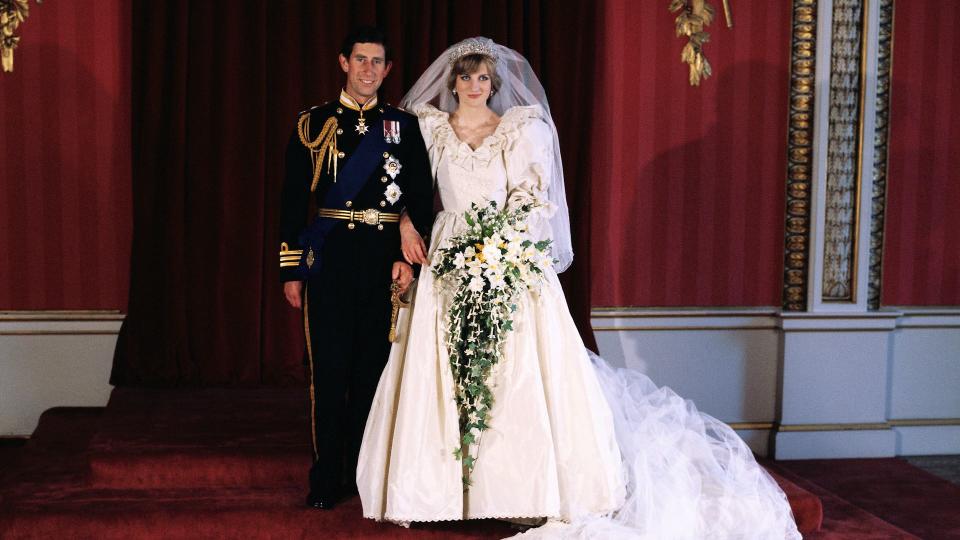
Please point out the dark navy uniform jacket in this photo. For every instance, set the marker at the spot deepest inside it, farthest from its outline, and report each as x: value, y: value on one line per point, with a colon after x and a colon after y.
x: 363, y: 245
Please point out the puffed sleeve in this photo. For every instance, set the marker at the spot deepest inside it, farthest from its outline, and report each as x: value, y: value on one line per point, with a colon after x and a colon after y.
x: 434, y: 126
x: 529, y: 164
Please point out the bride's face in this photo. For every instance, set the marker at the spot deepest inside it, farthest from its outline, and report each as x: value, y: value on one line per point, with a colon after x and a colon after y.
x: 474, y: 88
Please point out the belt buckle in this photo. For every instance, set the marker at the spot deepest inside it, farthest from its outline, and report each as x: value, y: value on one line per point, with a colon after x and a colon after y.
x: 371, y: 216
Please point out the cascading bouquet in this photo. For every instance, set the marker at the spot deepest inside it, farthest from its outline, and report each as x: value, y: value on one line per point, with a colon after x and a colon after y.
x: 486, y: 267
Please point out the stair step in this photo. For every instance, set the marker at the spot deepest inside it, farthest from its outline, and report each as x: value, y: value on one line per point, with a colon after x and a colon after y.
x: 202, y: 438
x: 189, y: 463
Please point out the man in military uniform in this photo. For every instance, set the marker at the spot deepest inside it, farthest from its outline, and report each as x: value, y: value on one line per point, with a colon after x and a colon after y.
x: 366, y: 164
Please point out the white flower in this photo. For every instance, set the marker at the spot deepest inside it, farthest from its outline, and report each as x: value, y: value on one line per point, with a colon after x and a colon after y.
x: 514, y: 249
x: 459, y: 261
x: 476, y: 284
x: 543, y: 261
x: 469, y: 252
x: 497, y: 282
x: 491, y: 252
x: 392, y: 193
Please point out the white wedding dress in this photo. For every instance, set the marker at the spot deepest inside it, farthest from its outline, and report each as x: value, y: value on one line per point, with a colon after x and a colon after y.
x: 601, y: 453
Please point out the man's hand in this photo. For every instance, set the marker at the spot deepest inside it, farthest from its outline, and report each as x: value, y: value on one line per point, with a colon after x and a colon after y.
x: 411, y: 243
x: 293, y: 291
x: 403, y: 275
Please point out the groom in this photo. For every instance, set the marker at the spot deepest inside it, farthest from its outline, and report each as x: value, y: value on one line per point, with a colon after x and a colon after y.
x: 365, y: 163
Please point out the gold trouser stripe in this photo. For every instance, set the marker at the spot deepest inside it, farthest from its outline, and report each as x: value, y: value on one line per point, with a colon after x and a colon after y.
x: 313, y: 394
x: 357, y: 215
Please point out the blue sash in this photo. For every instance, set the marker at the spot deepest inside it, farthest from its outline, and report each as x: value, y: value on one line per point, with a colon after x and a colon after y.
x: 350, y: 180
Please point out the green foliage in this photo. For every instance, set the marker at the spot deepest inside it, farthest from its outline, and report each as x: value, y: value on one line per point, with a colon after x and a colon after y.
x: 487, y: 267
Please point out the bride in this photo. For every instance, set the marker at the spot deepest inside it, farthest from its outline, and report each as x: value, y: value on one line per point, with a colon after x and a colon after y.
x: 595, y: 451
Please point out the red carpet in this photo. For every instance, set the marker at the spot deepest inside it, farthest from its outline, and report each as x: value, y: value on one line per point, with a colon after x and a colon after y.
x: 232, y: 464
x: 197, y: 438
x: 904, y: 495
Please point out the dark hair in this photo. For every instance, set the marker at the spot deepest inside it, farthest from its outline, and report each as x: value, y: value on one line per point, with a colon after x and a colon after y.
x: 365, y: 34
x: 468, y: 65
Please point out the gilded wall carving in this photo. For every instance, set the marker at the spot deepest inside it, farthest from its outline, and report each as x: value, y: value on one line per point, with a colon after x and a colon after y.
x: 843, y: 152
x: 881, y: 134
x: 799, y: 155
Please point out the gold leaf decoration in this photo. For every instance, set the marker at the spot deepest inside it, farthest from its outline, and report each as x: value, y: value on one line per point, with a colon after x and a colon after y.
x: 12, y: 13
x: 694, y: 16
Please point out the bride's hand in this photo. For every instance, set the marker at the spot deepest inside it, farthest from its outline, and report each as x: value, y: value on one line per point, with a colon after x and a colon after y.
x: 411, y: 243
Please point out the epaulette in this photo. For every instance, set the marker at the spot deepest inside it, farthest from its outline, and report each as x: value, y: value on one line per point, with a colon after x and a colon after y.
x: 401, y: 109
x: 311, y: 109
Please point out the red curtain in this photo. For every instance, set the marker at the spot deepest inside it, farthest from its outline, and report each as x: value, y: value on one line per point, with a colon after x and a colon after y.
x: 921, y: 257
x: 690, y: 208
x: 65, y: 152
x: 216, y: 89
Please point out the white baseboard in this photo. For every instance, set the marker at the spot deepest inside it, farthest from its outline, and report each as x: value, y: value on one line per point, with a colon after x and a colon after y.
x: 829, y: 377
x: 53, y: 359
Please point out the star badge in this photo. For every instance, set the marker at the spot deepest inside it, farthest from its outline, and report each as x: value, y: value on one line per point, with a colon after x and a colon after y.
x: 392, y: 166
x: 392, y: 193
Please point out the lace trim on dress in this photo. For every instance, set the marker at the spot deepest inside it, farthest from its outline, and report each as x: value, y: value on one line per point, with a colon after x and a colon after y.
x: 445, y: 138
x: 408, y: 520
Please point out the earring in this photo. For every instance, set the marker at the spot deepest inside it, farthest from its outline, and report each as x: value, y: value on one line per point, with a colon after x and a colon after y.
x: 454, y: 91
x: 493, y: 93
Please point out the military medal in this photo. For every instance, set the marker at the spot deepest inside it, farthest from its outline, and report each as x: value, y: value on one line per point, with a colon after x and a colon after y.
x: 347, y: 101
x: 391, y: 165
x: 361, y: 126
x: 391, y: 131
x: 392, y: 193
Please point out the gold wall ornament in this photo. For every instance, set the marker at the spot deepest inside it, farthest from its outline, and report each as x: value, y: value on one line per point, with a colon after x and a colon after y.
x: 12, y: 13
x: 799, y: 155
x: 881, y: 134
x: 694, y: 16
x: 844, y: 148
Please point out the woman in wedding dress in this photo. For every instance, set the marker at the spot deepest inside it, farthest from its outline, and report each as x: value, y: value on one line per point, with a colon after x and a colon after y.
x: 598, y: 452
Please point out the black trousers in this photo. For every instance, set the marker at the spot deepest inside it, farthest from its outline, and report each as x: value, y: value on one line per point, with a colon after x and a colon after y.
x: 348, y: 310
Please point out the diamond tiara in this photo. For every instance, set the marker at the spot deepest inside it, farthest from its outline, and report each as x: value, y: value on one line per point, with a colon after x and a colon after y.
x: 469, y: 46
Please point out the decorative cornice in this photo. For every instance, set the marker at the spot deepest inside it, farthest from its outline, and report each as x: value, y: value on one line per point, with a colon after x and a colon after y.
x: 880, y: 138
x: 800, y: 155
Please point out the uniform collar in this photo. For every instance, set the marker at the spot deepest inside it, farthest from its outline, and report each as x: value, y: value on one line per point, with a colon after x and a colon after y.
x: 347, y: 101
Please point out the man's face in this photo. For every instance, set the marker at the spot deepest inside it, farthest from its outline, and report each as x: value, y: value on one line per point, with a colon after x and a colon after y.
x: 366, y: 68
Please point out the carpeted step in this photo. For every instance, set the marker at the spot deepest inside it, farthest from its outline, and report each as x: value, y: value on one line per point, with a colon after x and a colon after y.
x: 841, y: 519
x: 208, y: 513
x: 257, y: 438
x: 807, y: 508
x: 182, y: 438
x: 890, y: 488
x: 52, y: 494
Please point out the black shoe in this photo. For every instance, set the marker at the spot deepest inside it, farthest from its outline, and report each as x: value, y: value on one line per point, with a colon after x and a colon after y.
x: 318, y: 502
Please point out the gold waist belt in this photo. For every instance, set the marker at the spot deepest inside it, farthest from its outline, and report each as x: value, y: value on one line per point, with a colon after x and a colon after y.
x: 370, y: 216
